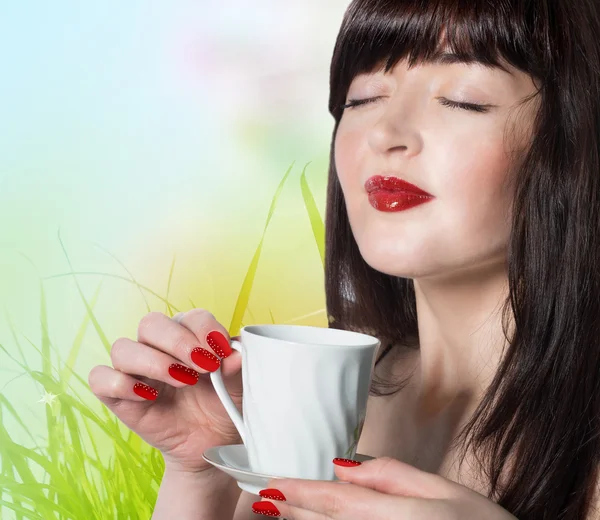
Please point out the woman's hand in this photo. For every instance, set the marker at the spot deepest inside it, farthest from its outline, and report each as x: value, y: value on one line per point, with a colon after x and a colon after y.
x: 174, y: 358
x: 378, y: 489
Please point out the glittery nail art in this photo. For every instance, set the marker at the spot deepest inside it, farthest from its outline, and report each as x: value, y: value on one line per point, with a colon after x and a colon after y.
x: 205, y: 359
x: 145, y: 391
x: 346, y: 462
x: 266, y: 508
x: 184, y: 374
x: 219, y: 343
x: 272, y: 494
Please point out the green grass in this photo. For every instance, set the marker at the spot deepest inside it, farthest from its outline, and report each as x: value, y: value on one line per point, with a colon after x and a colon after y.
x: 73, y: 475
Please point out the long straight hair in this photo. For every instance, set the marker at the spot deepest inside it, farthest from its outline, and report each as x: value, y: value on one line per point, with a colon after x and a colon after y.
x: 535, y: 434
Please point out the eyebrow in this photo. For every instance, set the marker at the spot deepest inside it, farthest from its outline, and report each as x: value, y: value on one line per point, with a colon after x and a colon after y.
x: 449, y: 58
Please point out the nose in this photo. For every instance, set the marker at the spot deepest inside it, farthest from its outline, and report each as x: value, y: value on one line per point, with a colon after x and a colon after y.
x: 395, y: 132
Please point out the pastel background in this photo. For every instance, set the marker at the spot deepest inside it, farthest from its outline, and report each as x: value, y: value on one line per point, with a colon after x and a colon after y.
x: 142, y: 145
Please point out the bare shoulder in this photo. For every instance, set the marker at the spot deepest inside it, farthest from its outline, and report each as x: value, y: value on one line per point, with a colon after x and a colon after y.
x: 243, y: 511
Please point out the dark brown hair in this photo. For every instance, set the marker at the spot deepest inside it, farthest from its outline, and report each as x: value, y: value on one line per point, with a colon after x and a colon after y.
x: 542, y: 410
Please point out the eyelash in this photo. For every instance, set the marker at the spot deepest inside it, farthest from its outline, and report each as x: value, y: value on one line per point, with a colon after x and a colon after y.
x: 446, y: 102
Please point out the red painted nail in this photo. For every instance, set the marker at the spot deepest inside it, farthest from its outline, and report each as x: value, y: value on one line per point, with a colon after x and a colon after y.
x: 184, y: 374
x: 219, y: 343
x: 346, y: 462
x: 205, y: 359
x: 265, y: 508
x: 272, y: 494
x: 145, y: 391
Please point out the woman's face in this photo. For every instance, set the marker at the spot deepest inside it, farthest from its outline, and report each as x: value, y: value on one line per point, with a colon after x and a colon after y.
x: 461, y: 157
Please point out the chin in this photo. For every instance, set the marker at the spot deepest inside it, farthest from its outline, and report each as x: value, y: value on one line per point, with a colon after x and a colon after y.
x: 392, y: 250
x: 393, y: 264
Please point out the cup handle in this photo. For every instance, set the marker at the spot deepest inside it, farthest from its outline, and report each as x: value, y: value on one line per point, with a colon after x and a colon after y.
x: 217, y: 381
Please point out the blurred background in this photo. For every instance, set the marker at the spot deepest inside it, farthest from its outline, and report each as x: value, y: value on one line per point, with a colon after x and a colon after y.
x: 141, y: 146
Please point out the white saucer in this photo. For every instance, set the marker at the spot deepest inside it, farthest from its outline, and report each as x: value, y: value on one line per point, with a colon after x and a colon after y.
x: 233, y: 460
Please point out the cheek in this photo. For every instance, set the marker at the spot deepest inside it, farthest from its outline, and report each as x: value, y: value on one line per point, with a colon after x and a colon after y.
x: 475, y: 194
x: 481, y: 172
x: 347, y: 151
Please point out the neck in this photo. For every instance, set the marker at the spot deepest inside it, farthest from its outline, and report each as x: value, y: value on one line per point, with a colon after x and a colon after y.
x: 460, y: 335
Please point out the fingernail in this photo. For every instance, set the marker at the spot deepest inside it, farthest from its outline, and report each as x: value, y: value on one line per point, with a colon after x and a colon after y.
x: 272, y: 494
x: 346, y: 462
x: 205, y: 359
x: 218, y: 343
x: 184, y: 374
x: 266, y: 508
x: 145, y: 391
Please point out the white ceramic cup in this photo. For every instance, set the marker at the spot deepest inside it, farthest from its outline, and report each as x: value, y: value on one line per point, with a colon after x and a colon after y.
x: 305, y: 393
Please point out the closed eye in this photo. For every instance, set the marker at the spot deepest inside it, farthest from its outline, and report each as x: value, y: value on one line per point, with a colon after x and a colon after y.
x: 473, y: 107
x: 358, y: 102
x: 464, y: 106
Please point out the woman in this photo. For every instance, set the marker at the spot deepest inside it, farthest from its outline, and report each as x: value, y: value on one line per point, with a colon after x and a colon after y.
x: 485, y: 286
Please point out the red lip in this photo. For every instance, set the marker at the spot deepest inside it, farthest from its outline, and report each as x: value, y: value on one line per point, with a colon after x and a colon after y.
x: 390, y: 183
x: 391, y: 194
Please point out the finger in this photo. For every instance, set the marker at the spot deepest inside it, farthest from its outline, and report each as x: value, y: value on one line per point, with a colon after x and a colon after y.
x: 284, y: 511
x: 208, y: 330
x: 112, y: 386
x: 138, y: 359
x: 178, y: 316
x: 159, y: 331
x: 331, y: 500
x: 231, y: 366
x: 202, y: 323
x: 395, y: 477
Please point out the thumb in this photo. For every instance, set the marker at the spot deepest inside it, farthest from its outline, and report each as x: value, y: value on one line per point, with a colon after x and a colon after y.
x: 394, y: 477
x: 231, y: 367
x: 231, y: 370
